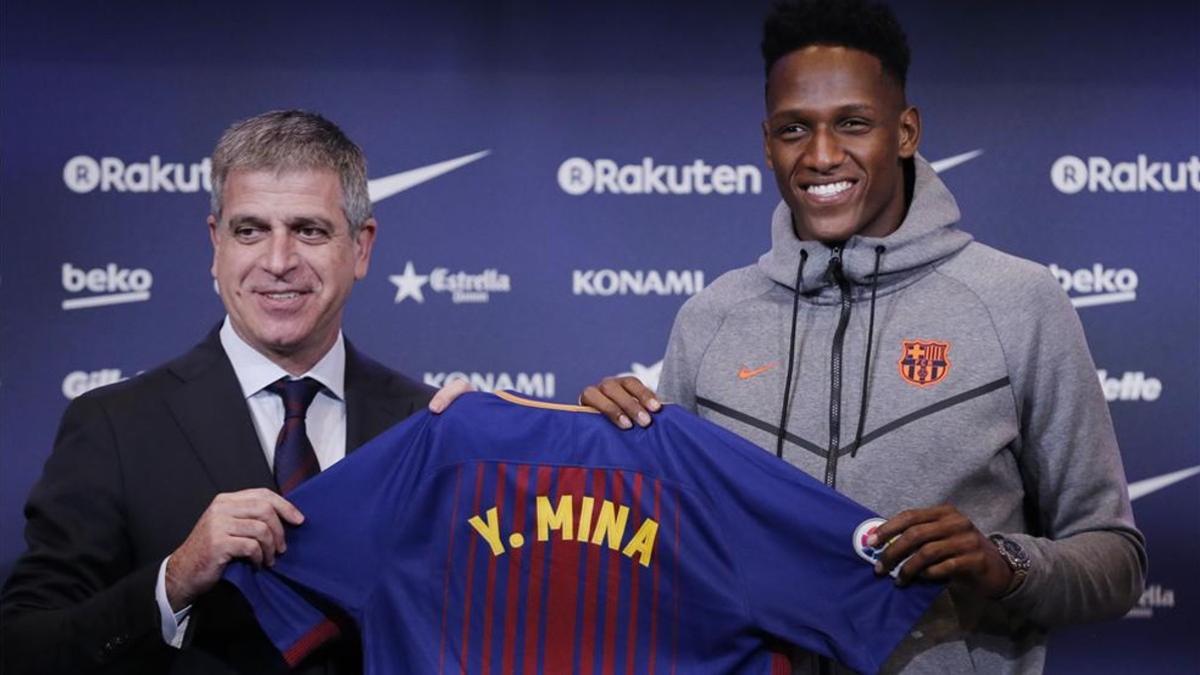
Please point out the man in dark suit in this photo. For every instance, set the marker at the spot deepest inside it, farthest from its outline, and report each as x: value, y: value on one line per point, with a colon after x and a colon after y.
x: 157, y: 483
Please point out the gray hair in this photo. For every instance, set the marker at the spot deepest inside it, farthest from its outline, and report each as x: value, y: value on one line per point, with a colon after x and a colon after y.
x: 283, y: 140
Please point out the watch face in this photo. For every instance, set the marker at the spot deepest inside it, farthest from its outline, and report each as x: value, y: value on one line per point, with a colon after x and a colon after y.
x: 1015, y: 554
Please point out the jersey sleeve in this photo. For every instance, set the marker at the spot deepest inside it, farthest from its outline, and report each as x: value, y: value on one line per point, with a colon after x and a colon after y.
x: 799, y: 551
x: 333, y: 558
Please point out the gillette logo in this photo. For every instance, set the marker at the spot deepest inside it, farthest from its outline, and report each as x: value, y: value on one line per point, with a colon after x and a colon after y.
x: 538, y: 385
x: 110, y: 285
x: 84, y: 174
x: 577, y: 176
x: 1099, y: 285
x: 1071, y: 174
x: 637, y: 282
x: 80, y: 382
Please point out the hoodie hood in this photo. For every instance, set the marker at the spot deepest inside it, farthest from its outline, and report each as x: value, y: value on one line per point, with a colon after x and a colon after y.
x: 929, y: 233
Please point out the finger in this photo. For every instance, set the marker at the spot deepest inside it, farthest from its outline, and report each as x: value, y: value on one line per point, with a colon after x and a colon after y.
x: 618, y: 389
x: 246, y: 549
x: 593, y: 397
x: 927, y: 556
x: 897, y: 524
x: 645, y: 395
x: 446, y: 395
x: 268, y: 539
x: 285, y: 509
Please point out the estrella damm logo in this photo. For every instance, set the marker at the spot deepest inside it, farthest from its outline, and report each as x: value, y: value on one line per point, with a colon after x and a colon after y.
x: 604, y: 524
x: 924, y: 362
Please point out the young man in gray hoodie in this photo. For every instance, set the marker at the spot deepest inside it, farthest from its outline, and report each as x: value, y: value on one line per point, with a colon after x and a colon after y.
x: 940, y: 382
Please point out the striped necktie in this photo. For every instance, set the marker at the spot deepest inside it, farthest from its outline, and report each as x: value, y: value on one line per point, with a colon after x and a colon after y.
x: 295, y: 460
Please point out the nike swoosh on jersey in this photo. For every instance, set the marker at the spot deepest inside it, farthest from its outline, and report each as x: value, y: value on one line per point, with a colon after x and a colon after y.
x: 747, y: 373
x: 382, y: 188
x: 951, y: 162
x: 1147, y: 486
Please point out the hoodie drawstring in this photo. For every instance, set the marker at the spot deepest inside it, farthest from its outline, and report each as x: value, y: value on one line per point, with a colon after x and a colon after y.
x: 862, y: 406
x: 787, y: 383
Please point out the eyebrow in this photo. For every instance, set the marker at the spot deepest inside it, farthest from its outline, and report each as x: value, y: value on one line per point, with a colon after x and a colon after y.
x: 298, y: 221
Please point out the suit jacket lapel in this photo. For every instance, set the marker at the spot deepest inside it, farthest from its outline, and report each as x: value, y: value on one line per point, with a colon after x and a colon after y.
x: 371, y: 405
x: 211, y: 411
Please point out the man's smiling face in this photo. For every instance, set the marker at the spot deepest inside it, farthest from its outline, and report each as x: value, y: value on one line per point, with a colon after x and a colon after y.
x: 836, y: 132
x: 285, y: 260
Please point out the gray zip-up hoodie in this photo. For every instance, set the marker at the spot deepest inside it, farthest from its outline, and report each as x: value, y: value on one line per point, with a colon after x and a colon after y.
x: 980, y: 393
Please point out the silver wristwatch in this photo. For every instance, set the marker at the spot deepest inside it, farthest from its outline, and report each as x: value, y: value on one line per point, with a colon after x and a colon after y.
x: 1015, y: 557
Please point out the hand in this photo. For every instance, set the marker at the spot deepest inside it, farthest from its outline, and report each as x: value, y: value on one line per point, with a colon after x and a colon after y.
x: 945, y: 546
x: 622, y: 399
x: 446, y: 395
x: 245, y: 524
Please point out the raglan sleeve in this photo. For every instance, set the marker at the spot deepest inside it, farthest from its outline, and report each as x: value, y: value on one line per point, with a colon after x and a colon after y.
x: 333, y: 559
x: 695, y: 325
x: 1088, y: 557
x: 801, y: 555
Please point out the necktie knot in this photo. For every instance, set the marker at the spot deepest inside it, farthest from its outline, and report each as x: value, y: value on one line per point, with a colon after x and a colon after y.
x: 297, y: 395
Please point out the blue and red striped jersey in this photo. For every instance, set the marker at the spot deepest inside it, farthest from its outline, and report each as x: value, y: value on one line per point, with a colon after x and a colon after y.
x: 508, y: 536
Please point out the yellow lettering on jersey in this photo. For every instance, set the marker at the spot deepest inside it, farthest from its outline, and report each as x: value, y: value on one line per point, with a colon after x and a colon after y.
x: 610, y: 525
x: 585, y: 518
x: 642, y: 543
x: 489, y: 531
x: 560, y: 518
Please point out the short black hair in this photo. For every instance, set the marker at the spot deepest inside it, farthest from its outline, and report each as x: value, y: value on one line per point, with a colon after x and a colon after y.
x: 867, y: 26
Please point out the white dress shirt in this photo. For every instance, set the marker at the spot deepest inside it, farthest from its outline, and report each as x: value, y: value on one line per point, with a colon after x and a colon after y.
x: 325, y: 422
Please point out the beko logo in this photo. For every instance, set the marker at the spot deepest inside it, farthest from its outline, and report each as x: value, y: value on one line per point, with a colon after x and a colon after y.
x: 637, y: 282
x: 83, y: 174
x: 80, y: 382
x: 1132, y: 386
x: 1097, y: 285
x: 577, y: 176
x: 1070, y: 175
x: 462, y: 286
x: 538, y: 385
x: 109, y: 285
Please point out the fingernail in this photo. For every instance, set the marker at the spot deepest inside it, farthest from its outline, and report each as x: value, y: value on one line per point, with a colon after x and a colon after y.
x: 643, y: 418
x: 624, y: 422
x: 435, y: 408
x: 654, y: 405
x: 872, y: 540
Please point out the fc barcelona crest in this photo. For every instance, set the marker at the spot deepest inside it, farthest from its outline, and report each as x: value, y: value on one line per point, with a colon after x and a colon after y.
x: 924, y: 362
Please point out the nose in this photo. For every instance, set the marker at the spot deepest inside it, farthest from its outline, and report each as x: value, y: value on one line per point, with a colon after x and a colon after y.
x: 280, y: 256
x: 823, y: 152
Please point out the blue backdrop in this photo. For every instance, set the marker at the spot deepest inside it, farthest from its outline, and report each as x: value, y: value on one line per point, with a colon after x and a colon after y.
x: 531, y: 235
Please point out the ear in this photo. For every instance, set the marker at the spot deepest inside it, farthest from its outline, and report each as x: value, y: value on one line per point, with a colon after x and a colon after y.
x: 212, y: 236
x: 766, y: 136
x: 910, y: 132
x: 364, y: 243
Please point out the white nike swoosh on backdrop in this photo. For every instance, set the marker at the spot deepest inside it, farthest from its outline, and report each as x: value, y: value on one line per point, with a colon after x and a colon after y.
x: 382, y: 188
x: 1142, y: 488
x: 951, y: 162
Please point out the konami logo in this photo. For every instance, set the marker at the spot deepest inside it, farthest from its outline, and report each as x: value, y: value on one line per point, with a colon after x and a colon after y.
x: 109, y: 285
x: 537, y: 385
x: 637, y: 282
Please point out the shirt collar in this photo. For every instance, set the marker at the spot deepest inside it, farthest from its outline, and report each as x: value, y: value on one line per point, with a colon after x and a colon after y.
x: 255, y: 371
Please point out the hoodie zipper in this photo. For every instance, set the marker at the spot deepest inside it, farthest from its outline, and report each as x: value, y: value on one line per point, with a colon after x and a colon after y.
x: 835, y: 369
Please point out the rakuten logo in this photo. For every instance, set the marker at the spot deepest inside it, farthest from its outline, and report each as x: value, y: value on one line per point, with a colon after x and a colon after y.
x: 1097, y: 285
x: 84, y: 174
x: 80, y: 382
x: 111, y: 285
x: 1071, y: 174
x: 637, y: 282
x: 538, y: 385
x: 1133, y: 386
x: 1154, y: 597
x: 577, y: 176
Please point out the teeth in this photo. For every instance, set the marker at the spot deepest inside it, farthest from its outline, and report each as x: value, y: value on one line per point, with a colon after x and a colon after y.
x: 283, y: 296
x: 829, y: 189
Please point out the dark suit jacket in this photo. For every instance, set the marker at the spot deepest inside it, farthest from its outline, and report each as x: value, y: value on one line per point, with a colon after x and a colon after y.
x: 133, y: 467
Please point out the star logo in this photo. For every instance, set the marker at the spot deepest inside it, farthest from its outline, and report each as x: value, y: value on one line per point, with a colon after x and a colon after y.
x: 647, y: 374
x: 408, y: 285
